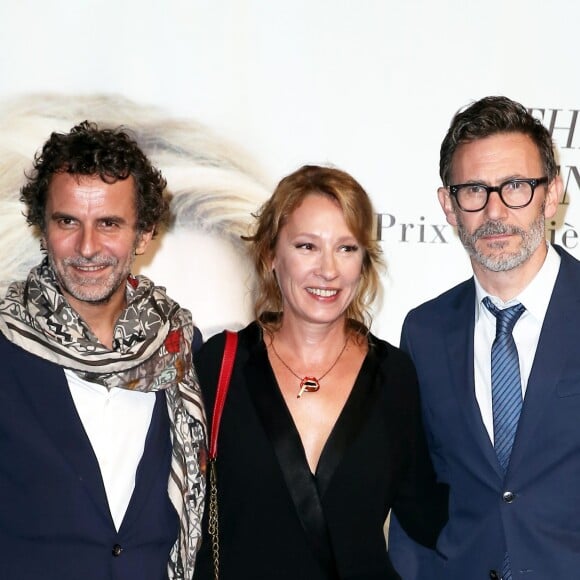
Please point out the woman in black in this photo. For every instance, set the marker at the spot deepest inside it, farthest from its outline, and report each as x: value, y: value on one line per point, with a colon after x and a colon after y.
x: 321, y: 433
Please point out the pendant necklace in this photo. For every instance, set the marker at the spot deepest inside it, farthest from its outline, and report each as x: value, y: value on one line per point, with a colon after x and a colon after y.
x: 309, y: 384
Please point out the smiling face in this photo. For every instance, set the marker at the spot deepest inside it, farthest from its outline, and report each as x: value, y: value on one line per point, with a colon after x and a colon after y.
x: 500, y: 239
x: 91, y: 239
x: 317, y: 262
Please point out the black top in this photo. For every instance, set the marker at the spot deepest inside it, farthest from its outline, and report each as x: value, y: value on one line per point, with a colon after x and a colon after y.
x: 277, y: 519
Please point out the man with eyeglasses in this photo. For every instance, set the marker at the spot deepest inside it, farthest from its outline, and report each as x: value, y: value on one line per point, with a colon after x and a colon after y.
x: 498, y: 360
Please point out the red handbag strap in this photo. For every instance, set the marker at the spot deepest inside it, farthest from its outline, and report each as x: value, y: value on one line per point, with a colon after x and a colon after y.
x: 222, y: 388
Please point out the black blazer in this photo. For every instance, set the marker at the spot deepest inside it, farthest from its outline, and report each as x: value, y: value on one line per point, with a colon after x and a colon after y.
x: 280, y: 521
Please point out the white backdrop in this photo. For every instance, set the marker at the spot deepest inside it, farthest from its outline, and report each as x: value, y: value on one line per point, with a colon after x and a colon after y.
x: 369, y: 86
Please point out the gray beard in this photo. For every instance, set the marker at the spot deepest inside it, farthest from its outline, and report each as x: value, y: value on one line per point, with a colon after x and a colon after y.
x: 89, y: 292
x: 503, y: 262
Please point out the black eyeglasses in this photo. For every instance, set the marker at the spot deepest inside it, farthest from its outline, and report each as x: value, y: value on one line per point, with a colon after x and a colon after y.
x: 514, y: 193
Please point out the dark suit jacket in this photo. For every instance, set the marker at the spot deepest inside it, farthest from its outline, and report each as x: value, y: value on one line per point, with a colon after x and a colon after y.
x: 278, y: 521
x: 540, y: 526
x: 55, y: 522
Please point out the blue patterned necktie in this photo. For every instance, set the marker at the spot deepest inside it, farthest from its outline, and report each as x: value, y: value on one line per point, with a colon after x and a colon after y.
x: 506, y: 389
x: 506, y: 386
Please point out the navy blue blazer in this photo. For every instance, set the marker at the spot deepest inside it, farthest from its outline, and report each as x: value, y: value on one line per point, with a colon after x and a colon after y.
x: 55, y: 522
x: 539, y: 524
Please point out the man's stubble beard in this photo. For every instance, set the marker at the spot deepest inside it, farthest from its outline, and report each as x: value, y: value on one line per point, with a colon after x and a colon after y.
x: 503, y: 262
x: 89, y: 290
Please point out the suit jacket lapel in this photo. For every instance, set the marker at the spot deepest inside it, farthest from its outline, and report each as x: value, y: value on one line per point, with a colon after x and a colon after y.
x: 357, y: 408
x: 157, y: 449
x: 45, y: 387
x: 560, y: 328
x: 459, y: 333
x: 283, y: 435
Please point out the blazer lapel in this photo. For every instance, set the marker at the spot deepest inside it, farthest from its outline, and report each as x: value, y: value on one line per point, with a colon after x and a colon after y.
x: 357, y: 408
x: 459, y: 331
x: 156, y: 450
x: 45, y: 387
x: 561, y: 327
x: 283, y: 435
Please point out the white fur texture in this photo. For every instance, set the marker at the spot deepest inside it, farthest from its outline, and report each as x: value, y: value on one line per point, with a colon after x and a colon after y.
x: 215, y: 187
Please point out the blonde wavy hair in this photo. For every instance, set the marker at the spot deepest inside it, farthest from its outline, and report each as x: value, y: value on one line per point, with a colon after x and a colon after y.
x: 360, y: 219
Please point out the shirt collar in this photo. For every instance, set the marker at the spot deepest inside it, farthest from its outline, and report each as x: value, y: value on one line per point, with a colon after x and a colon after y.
x: 535, y: 296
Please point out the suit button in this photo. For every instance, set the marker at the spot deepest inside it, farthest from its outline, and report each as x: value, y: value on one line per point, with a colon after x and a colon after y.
x: 493, y: 575
x: 116, y: 551
x: 508, y: 496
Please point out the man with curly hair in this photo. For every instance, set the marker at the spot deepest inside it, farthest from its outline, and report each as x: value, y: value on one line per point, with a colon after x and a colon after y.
x: 102, y: 427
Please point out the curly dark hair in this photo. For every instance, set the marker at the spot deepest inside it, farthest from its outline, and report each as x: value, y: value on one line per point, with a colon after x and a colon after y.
x: 490, y: 116
x: 110, y: 154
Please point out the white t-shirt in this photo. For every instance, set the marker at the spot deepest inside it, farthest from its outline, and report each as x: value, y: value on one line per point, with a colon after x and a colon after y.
x: 116, y: 423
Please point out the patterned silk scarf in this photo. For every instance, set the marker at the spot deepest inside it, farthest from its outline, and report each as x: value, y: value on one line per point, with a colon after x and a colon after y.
x: 151, y: 351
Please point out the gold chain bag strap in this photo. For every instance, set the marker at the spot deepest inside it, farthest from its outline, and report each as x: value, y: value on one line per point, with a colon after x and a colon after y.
x: 220, y: 398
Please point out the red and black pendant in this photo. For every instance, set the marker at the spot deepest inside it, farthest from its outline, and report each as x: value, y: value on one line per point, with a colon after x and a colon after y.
x: 308, y: 385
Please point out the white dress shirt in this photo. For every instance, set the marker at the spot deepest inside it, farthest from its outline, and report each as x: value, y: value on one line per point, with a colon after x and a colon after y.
x: 116, y: 423
x: 535, y: 297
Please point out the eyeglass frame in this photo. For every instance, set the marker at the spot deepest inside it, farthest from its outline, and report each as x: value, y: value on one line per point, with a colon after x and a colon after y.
x: 489, y: 189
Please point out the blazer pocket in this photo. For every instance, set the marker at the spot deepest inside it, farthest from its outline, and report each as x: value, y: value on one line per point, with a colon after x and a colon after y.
x: 568, y: 387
